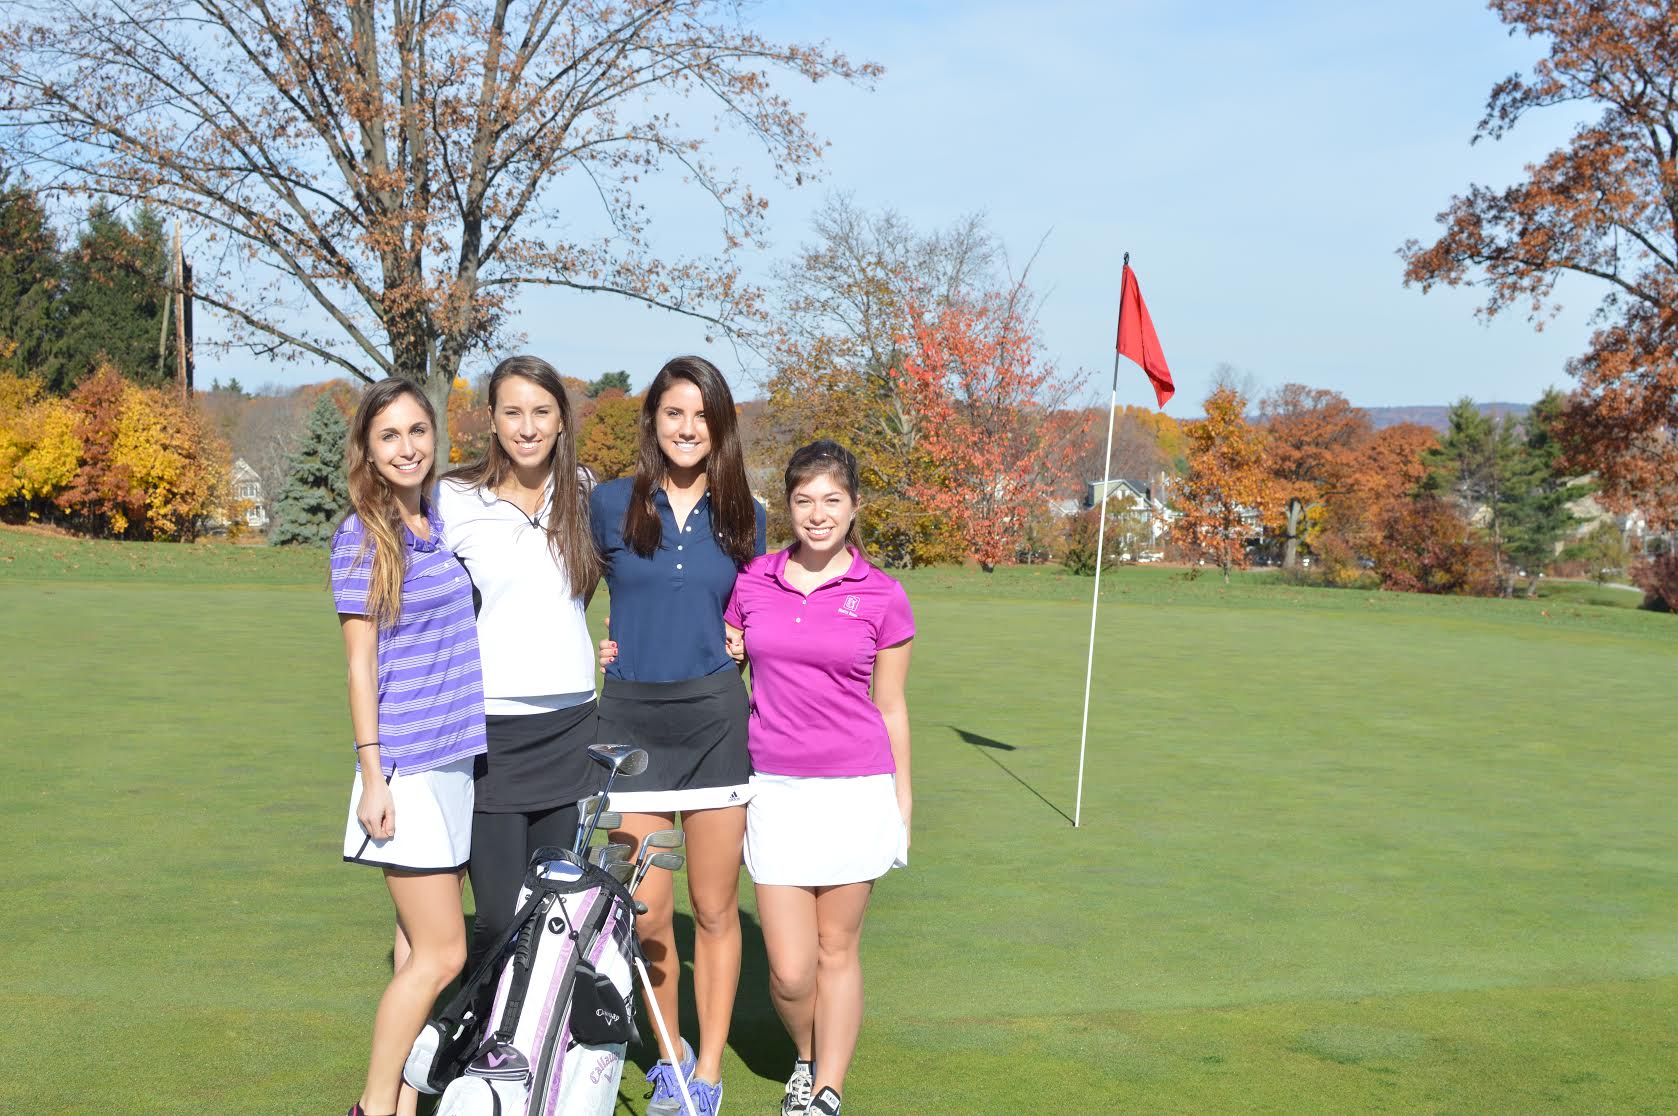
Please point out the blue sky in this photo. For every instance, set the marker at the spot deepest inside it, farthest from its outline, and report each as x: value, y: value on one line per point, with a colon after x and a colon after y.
x: 1260, y: 161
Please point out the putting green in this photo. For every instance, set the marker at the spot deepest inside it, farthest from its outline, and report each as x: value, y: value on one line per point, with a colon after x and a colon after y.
x: 1342, y: 852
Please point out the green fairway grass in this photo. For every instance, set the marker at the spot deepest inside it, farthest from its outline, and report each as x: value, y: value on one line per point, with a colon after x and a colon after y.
x: 1342, y: 851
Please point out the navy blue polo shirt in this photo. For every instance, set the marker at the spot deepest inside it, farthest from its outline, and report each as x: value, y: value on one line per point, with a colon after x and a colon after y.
x: 666, y: 609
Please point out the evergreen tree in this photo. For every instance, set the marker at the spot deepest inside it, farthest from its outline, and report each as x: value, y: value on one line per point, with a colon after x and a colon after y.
x: 1482, y: 464
x: 315, y: 496
x: 1539, y: 520
x: 30, y: 275
x: 114, y: 301
x: 619, y: 380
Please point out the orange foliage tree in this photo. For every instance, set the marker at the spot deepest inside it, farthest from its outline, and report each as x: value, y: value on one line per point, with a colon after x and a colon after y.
x: 1219, y: 501
x: 404, y: 168
x: 148, y: 466
x: 1605, y: 206
x: 974, y: 378
x: 1313, y: 437
x: 608, y: 443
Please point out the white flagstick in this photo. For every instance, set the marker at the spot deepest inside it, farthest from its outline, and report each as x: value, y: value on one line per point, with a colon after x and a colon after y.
x: 1095, y: 602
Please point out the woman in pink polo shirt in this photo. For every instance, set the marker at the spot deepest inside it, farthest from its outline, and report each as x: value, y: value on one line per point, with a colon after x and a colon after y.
x: 828, y: 637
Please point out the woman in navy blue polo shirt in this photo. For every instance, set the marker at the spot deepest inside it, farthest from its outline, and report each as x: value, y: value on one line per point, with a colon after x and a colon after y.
x: 674, y: 537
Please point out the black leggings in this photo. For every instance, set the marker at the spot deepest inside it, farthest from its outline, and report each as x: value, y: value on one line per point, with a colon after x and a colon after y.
x: 501, y: 848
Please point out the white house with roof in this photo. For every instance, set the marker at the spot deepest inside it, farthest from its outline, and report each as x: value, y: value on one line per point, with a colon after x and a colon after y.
x: 247, y: 488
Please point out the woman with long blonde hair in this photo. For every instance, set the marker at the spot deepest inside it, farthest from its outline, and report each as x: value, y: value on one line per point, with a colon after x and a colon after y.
x: 416, y: 708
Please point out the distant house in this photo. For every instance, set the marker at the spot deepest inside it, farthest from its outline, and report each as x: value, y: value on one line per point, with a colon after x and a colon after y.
x: 247, y: 489
x: 1136, y: 497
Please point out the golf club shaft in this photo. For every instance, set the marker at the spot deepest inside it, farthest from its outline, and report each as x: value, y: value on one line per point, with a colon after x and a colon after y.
x: 664, y: 1035
x: 595, y: 820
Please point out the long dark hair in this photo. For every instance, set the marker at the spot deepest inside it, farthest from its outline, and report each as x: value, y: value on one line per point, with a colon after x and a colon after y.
x: 374, y: 501
x: 827, y: 457
x: 733, y: 515
x: 569, y: 537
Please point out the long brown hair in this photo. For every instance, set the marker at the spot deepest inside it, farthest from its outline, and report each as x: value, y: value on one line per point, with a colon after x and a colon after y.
x: 374, y: 501
x: 733, y: 513
x: 569, y: 538
x: 834, y: 460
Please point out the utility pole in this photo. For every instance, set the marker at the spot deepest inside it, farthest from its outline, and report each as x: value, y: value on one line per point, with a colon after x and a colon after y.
x: 181, y: 289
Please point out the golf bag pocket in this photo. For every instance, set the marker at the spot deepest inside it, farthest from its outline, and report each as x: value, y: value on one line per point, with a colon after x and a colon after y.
x: 483, y: 1096
x: 599, y: 1015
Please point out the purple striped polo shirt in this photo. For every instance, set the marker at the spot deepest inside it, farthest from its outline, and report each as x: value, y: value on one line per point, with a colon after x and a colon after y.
x: 431, y: 683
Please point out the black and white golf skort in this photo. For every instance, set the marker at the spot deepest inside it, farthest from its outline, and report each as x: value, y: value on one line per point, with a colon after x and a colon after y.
x: 694, y: 733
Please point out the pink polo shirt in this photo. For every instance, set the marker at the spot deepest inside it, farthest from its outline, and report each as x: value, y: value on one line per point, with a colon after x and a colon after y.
x: 812, y: 660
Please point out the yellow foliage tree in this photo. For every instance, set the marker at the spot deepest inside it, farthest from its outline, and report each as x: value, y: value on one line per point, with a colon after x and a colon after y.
x: 171, y: 455
x: 39, y: 449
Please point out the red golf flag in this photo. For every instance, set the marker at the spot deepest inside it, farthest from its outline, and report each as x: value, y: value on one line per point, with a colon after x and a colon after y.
x: 1138, y: 341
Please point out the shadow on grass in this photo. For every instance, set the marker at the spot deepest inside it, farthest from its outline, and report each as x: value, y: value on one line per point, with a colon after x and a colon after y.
x: 987, y: 747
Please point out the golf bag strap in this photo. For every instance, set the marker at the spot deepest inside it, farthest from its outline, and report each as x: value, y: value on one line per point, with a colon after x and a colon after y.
x: 523, y: 959
x: 469, y: 988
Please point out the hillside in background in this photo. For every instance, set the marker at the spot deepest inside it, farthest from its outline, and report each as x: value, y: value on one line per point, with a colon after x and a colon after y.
x: 1436, y: 418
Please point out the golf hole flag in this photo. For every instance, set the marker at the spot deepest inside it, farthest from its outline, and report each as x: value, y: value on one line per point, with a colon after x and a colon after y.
x: 1139, y: 342
x: 1137, y: 339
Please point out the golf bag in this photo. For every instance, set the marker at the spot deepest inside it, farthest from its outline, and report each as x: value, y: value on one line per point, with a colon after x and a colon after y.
x: 554, y: 1039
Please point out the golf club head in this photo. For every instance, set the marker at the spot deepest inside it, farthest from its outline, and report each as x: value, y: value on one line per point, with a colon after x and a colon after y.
x: 662, y: 839
x: 669, y: 861
x: 592, y: 803
x: 612, y: 854
x: 620, y: 870
x: 621, y: 759
x: 610, y: 819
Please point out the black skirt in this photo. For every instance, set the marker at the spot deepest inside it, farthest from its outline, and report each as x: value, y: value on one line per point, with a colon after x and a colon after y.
x: 536, y: 761
x: 694, y: 733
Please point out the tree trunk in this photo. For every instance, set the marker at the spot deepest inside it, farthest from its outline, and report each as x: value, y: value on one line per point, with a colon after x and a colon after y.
x: 436, y: 387
x: 1290, y: 548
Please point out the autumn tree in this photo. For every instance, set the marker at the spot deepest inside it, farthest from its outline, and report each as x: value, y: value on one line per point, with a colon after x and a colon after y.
x: 1313, y: 437
x: 842, y: 307
x: 39, y: 450
x: 1219, y: 500
x: 469, y: 422
x: 1386, y: 472
x: 974, y: 381
x: 1603, y: 206
x: 369, y: 185
x: 609, y: 436
x: 148, y: 466
x: 316, y: 495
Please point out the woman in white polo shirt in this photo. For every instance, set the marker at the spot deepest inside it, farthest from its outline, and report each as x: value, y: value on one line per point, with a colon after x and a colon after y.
x: 518, y: 520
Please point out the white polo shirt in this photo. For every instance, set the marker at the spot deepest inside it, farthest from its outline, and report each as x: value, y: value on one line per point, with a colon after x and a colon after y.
x: 532, y: 633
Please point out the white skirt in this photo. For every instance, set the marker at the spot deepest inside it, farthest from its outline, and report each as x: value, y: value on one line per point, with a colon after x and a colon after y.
x: 815, y: 832
x: 433, y: 821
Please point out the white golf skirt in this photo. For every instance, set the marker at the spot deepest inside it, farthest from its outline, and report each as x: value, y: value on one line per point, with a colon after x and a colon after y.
x: 433, y: 821
x: 816, y: 832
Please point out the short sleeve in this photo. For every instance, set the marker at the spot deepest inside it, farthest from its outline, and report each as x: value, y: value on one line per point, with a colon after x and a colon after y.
x: 898, y: 623
x: 734, y: 615
x: 762, y: 517
x: 351, y: 571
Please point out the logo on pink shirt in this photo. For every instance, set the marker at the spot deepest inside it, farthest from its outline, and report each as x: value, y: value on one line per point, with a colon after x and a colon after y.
x: 852, y: 603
